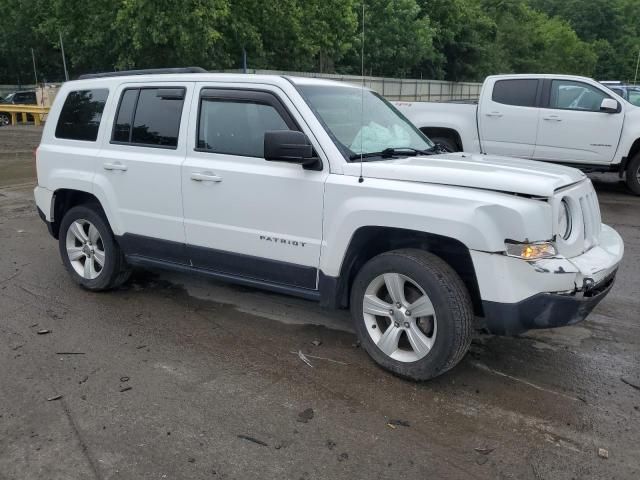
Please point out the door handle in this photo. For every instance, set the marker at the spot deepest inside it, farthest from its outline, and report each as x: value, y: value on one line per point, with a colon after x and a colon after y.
x: 552, y: 118
x: 494, y: 114
x: 205, y: 177
x: 115, y: 166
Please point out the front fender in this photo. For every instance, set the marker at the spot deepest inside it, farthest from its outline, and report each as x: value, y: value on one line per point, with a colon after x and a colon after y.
x: 478, y: 219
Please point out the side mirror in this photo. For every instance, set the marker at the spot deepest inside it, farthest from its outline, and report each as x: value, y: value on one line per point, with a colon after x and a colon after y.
x: 609, y: 105
x: 290, y: 146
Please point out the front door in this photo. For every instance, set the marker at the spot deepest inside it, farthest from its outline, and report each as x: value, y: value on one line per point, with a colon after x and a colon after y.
x: 245, y: 216
x: 572, y: 128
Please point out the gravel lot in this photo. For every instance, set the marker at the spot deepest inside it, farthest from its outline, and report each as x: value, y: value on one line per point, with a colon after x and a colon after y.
x: 178, y: 377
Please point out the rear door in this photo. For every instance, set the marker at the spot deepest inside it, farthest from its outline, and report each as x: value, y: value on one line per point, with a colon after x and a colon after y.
x: 508, y: 117
x: 572, y: 128
x: 139, y: 169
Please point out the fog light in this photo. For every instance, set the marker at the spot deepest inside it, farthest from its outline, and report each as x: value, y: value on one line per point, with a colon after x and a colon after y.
x: 531, y: 251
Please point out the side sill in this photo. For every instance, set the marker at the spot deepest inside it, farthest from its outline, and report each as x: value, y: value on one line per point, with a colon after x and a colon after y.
x: 141, y: 261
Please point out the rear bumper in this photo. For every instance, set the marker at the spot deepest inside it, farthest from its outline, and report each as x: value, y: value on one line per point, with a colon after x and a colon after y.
x: 43, y: 197
x: 49, y: 225
x: 44, y: 201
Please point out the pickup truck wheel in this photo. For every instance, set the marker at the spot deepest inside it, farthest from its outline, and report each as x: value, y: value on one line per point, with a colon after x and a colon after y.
x: 449, y: 143
x: 89, y: 250
x: 412, y: 313
x: 633, y: 175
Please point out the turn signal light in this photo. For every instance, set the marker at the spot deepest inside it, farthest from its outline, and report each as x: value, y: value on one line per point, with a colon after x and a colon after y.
x: 531, y: 251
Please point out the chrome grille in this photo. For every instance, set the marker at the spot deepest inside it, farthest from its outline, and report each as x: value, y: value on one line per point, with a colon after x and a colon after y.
x: 591, y: 219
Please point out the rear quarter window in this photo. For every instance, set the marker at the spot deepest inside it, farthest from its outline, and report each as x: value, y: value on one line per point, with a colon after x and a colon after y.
x: 81, y: 115
x: 517, y: 92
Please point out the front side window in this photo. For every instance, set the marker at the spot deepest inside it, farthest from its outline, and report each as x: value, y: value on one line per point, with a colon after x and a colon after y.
x: 236, y: 127
x: 570, y: 95
x: 81, y: 114
x: 634, y: 97
x: 521, y: 92
x: 149, y: 117
x: 362, y: 122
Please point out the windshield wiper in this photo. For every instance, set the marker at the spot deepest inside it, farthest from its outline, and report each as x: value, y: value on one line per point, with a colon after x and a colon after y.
x: 436, y: 149
x: 389, y: 153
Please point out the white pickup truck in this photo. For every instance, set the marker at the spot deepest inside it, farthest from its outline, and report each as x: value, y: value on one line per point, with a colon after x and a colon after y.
x: 554, y: 118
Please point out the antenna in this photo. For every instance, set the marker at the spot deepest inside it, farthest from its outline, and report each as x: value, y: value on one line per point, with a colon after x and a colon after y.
x: 361, y: 178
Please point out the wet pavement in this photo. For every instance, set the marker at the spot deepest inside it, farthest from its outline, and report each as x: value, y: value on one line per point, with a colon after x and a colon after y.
x: 174, y: 376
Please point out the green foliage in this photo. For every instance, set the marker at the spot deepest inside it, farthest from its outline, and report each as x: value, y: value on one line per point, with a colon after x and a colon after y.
x: 443, y: 39
x: 611, y: 26
x: 397, y: 37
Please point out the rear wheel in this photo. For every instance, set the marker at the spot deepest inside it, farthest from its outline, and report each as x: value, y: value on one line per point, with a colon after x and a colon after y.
x: 633, y: 175
x: 449, y: 143
x: 89, y: 250
x: 5, y: 119
x: 412, y: 313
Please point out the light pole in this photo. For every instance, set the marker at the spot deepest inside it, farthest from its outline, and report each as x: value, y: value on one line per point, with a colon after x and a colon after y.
x: 35, y: 72
x: 64, y: 61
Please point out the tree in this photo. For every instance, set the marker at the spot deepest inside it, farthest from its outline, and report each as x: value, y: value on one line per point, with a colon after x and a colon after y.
x: 530, y: 41
x: 158, y: 33
x: 463, y: 39
x: 397, y: 38
x: 446, y: 39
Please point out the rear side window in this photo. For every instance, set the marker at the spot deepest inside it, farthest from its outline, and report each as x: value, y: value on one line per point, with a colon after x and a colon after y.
x: 236, y: 127
x: 517, y: 92
x: 81, y: 114
x: 149, y: 117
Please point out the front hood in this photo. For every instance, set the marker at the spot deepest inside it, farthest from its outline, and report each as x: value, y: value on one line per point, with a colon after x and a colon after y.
x: 486, y: 172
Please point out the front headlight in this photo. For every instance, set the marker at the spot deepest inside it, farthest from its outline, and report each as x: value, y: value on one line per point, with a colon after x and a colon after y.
x: 564, y: 219
x: 531, y: 251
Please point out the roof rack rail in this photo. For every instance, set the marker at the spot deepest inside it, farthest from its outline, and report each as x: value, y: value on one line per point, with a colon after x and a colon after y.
x: 148, y: 71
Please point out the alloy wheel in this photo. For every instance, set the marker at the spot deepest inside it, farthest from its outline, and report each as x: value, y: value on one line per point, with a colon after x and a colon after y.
x: 85, y: 249
x: 399, y: 317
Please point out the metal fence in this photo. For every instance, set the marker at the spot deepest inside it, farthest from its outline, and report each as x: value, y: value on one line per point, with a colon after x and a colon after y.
x: 406, y: 89
x: 396, y: 88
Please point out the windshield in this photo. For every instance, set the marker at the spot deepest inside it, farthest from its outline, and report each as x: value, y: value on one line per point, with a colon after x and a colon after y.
x: 369, y: 127
x: 8, y: 98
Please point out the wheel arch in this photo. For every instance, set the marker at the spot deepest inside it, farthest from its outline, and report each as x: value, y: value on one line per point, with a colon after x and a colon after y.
x: 443, y: 132
x: 633, y: 151
x: 370, y: 241
x: 64, y: 199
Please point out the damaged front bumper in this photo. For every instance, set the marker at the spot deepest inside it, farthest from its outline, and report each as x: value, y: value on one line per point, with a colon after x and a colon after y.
x: 547, y: 293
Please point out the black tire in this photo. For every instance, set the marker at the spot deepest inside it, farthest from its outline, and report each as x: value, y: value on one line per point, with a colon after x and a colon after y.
x: 115, y: 270
x: 5, y: 119
x: 447, y: 142
x: 633, y: 175
x: 450, y: 300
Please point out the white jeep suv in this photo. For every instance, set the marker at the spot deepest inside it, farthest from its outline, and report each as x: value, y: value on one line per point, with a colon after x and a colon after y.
x: 321, y: 190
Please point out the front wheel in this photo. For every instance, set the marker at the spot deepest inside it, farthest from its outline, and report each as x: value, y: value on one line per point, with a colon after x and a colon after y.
x: 5, y: 119
x: 89, y: 250
x: 412, y: 313
x: 633, y: 175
